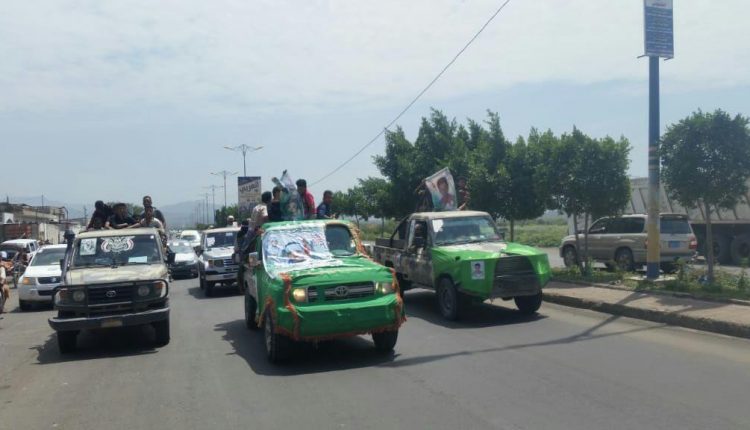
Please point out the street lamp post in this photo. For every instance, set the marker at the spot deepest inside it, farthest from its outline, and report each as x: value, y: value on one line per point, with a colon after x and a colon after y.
x: 224, y: 174
x: 213, y: 196
x: 244, y: 150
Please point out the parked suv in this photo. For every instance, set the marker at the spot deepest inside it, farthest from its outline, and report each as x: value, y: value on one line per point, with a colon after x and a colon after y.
x: 621, y: 242
x: 216, y: 266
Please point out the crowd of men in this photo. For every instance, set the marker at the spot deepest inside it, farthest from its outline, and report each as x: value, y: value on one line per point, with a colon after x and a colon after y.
x: 117, y: 217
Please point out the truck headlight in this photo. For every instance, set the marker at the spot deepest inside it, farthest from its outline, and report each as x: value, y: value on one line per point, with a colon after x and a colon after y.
x: 144, y: 290
x: 384, y: 287
x: 28, y: 280
x: 160, y: 287
x: 299, y: 295
x: 79, y: 295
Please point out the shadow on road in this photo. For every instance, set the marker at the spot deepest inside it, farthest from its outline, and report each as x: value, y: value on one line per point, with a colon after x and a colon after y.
x: 97, y: 344
x: 307, y: 358
x: 217, y: 292
x: 422, y: 304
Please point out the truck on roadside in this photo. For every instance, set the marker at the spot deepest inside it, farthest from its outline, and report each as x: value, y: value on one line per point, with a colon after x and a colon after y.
x: 112, y: 278
x: 462, y: 256
x: 308, y: 281
x: 731, y: 228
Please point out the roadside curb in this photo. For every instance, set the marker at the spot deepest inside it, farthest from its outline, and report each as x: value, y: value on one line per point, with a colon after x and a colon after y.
x: 671, y: 318
x: 659, y: 293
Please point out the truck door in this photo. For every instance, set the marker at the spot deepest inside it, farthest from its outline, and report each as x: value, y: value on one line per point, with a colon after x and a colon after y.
x: 417, y: 255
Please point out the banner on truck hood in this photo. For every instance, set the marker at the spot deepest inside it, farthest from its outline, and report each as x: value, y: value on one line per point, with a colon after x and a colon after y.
x: 443, y: 190
x: 248, y: 191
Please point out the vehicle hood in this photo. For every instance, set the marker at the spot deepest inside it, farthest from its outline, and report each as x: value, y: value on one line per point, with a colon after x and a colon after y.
x: 350, y: 270
x: 184, y: 257
x: 42, y: 271
x: 218, y: 253
x: 486, y: 250
x: 102, y: 275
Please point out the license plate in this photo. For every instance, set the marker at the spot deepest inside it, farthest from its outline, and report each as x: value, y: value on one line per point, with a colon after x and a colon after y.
x: 112, y: 323
x: 674, y: 244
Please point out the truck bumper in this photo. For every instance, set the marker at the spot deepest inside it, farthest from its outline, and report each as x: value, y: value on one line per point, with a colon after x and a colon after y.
x: 83, y: 323
x: 340, y: 320
x: 228, y: 276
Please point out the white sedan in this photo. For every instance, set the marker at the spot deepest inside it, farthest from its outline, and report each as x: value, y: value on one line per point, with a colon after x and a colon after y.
x: 41, y: 277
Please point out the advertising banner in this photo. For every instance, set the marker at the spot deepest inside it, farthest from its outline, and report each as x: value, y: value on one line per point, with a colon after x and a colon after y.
x: 248, y: 190
x: 658, y: 28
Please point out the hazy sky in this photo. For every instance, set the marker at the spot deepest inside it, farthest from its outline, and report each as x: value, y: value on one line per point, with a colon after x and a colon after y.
x: 113, y: 100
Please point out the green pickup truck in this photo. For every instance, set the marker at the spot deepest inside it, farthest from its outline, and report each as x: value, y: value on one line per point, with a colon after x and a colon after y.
x: 461, y: 255
x: 312, y: 281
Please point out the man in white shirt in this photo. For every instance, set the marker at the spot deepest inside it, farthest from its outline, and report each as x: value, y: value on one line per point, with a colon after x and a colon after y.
x: 259, y: 215
x: 4, y: 289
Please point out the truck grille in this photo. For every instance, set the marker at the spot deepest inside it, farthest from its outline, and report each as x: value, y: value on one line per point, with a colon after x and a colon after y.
x: 50, y: 280
x: 514, y: 275
x: 342, y: 292
x: 513, y: 265
x: 110, y: 294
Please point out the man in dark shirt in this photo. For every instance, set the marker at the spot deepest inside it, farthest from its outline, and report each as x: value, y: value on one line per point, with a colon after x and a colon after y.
x: 101, y: 213
x: 147, y: 202
x: 274, y: 208
x: 324, y: 209
x: 120, y: 219
x: 307, y: 199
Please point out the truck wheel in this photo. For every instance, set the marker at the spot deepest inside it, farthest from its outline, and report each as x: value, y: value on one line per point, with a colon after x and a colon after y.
x: 208, y: 289
x: 277, y: 346
x: 66, y: 341
x: 624, y: 260
x: 570, y: 257
x: 741, y: 250
x: 722, y: 251
x: 24, y: 305
x: 251, y: 309
x: 162, y: 332
x: 528, y: 305
x: 448, y: 300
x: 385, y: 341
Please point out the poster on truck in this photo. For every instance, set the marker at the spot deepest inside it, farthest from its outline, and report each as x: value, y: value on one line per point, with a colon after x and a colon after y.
x: 248, y: 190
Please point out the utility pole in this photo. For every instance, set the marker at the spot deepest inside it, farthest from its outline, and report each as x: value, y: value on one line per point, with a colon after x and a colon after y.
x: 213, y: 196
x: 224, y: 174
x: 659, y: 43
x: 244, y: 150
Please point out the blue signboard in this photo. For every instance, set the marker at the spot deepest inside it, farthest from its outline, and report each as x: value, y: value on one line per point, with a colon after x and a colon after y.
x: 658, y: 28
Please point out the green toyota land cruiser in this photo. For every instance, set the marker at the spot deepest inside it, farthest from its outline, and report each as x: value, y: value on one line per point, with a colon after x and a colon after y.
x: 312, y: 281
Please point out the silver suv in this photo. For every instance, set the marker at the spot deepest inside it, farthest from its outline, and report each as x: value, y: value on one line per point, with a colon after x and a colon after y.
x: 621, y: 242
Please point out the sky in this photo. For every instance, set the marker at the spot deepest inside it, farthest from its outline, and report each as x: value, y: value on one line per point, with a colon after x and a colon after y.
x: 114, y: 100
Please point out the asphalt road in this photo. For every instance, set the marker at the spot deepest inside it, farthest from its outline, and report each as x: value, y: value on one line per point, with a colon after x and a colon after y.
x: 564, y: 369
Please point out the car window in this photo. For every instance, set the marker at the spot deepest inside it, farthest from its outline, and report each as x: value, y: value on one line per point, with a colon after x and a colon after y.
x: 633, y: 225
x: 675, y: 226
x: 340, y: 240
x: 462, y: 230
x: 600, y: 226
x: 616, y: 226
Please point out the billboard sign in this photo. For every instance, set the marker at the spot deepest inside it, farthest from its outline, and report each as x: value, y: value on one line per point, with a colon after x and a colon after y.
x: 248, y: 190
x: 658, y: 28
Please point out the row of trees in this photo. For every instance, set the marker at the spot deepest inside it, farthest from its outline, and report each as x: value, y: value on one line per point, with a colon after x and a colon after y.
x: 573, y: 173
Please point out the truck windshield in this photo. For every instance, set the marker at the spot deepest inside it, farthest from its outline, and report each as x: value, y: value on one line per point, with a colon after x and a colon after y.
x: 306, y: 246
x: 450, y: 231
x: 221, y: 239
x: 48, y: 257
x: 116, y: 251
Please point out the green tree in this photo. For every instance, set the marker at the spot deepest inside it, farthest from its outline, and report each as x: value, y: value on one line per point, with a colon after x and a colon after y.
x: 221, y: 215
x: 521, y: 199
x: 706, y: 163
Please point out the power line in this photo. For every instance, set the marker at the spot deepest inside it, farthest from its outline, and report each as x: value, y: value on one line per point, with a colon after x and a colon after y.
x: 421, y: 93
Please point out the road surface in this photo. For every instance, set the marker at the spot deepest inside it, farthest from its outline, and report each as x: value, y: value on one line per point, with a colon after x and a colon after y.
x: 564, y: 369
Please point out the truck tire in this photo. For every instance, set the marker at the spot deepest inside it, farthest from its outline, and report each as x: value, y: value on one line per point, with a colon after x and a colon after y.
x: 722, y: 250
x: 277, y: 346
x: 66, y: 341
x: 162, y: 332
x: 570, y: 256
x: 251, y: 310
x: 740, y: 250
x: 624, y: 260
x: 208, y: 289
x: 528, y: 305
x: 448, y: 299
x: 385, y: 341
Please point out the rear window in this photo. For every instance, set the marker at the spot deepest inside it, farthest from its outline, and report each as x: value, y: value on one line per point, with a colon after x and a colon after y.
x: 675, y: 226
